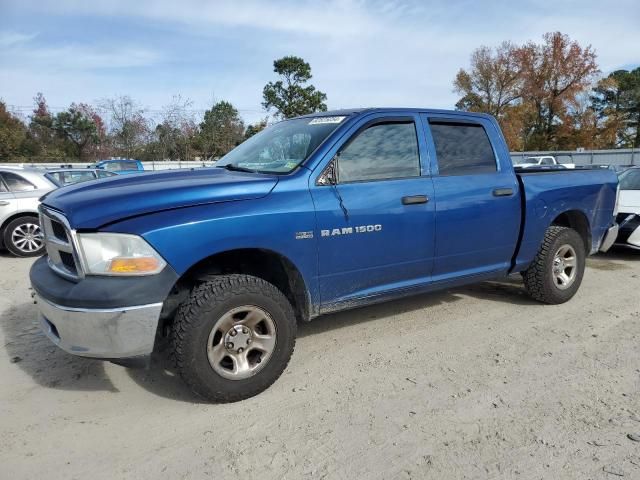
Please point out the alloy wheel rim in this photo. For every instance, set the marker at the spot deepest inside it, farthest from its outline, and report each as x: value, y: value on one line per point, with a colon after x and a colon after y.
x: 241, y: 342
x: 565, y: 267
x: 27, y: 237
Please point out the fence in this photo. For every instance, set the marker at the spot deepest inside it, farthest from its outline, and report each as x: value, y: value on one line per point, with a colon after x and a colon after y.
x: 627, y: 156
x: 164, y: 165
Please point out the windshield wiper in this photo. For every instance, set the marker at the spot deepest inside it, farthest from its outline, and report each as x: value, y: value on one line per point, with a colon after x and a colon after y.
x: 236, y: 168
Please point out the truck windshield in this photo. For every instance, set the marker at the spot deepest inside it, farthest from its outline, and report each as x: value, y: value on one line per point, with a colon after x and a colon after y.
x: 280, y: 148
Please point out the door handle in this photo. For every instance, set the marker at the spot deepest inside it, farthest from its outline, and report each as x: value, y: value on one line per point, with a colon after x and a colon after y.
x: 414, y: 199
x: 503, y: 192
x: 3, y: 203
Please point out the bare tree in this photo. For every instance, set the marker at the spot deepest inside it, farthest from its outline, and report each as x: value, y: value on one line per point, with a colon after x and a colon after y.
x: 177, y: 130
x: 127, y: 123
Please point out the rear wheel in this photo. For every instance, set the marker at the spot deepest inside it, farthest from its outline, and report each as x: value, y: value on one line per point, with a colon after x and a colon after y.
x: 556, y: 273
x: 23, y: 237
x: 233, y: 337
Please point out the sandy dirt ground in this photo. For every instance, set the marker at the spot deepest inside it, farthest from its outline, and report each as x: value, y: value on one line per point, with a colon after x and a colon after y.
x: 477, y: 382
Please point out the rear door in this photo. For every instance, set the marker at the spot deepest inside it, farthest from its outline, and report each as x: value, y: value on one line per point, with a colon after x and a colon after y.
x: 8, y: 202
x: 476, y: 194
x: 376, y: 226
x: 25, y: 192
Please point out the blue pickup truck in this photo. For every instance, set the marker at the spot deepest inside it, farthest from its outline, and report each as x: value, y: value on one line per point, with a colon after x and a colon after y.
x: 313, y: 215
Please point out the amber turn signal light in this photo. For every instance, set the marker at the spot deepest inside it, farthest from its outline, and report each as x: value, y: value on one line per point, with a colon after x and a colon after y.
x: 133, y: 265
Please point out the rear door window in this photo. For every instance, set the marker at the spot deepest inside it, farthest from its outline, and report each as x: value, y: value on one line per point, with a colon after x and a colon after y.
x: 3, y: 187
x: 77, y: 177
x: 114, y: 166
x: 55, y: 177
x: 128, y: 165
x: 16, y: 183
x: 462, y: 148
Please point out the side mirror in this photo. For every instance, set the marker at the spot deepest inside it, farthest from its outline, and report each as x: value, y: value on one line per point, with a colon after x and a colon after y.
x: 330, y: 174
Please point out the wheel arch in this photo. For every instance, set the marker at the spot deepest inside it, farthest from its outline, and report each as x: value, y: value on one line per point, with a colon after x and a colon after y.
x: 11, y: 218
x: 269, y: 265
x: 578, y: 221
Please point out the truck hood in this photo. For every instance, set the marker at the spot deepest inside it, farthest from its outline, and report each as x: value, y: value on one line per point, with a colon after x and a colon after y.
x: 93, y: 204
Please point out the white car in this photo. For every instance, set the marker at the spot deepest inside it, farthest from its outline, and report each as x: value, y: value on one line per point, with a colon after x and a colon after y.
x: 20, y: 189
x: 541, y: 161
x: 629, y: 209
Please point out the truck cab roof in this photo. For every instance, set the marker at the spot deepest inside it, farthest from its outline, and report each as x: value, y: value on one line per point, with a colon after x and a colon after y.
x: 348, y: 112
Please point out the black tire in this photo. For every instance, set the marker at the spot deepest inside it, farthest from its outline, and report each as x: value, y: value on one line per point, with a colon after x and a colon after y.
x: 198, y: 315
x: 539, y: 279
x: 9, y: 237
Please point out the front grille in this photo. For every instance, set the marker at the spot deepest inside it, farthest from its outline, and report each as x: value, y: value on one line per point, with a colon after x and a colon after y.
x: 59, y: 231
x: 58, y: 238
x: 69, y: 262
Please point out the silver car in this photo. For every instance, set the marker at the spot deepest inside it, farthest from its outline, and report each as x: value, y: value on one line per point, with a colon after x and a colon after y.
x: 20, y: 189
x: 69, y: 176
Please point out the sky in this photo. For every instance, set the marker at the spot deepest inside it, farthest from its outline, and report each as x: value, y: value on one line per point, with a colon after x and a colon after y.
x: 363, y: 53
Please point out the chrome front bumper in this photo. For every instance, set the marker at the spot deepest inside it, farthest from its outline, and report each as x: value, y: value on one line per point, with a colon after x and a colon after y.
x: 609, y: 238
x: 124, y: 332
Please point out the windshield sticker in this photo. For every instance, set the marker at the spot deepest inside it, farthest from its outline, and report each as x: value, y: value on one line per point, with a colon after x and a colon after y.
x: 324, y: 120
x: 291, y: 165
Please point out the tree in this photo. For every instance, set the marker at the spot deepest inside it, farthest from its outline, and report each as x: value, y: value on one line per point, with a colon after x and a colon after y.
x: 532, y: 90
x: 129, y: 129
x: 255, y: 128
x: 579, y: 125
x: 616, y: 100
x: 493, y: 85
x: 164, y: 146
x: 494, y: 81
x: 45, y: 141
x: 221, y: 130
x: 81, y: 126
x: 177, y: 131
x: 290, y: 96
x: 554, y: 73
x: 13, y: 134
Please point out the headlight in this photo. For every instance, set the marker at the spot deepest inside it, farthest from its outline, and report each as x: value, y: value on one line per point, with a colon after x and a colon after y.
x: 118, y: 254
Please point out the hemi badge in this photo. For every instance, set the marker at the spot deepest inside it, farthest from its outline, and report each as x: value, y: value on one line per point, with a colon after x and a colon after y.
x: 304, y: 235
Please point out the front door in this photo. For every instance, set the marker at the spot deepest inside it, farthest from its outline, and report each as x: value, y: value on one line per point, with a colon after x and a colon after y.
x: 375, y: 224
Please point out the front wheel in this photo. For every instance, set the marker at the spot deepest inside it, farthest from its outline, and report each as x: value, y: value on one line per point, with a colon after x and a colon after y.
x: 23, y: 237
x: 556, y: 273
x: 233, y: 337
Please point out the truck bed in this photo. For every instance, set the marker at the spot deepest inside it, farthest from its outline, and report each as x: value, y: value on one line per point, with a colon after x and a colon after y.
x: 587, y: 193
